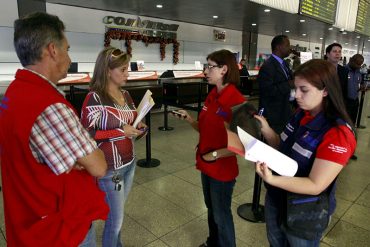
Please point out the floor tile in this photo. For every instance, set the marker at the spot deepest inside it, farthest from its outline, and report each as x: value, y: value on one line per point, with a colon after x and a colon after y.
x: 345, y: 234
x: 157, y: 243
x: 143, y: 175
x: 364, y: 199
x: 191, y: 175
x: 358, y: 215
x: 133, y: 234
x: 184, y: 194
x: 154, y: 212
x: 342, y: 207
x: 189, y: 235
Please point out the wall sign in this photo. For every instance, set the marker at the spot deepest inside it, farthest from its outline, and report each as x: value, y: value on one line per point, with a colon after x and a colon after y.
x: 219, y: 35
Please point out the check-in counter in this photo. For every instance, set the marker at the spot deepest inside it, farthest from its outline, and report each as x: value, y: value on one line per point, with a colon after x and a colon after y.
x: 76, y: 87
x: 183, y: 89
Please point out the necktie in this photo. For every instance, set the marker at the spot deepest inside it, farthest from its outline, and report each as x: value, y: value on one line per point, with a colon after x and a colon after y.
x: 286, y: 69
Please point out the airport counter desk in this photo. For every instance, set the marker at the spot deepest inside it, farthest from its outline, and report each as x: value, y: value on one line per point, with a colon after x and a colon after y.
x: 76, y: 87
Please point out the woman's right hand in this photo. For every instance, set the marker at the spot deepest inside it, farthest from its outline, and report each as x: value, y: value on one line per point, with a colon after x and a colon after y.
x: 131, y: 131
x: 263, y: 121
x: 185, y: 116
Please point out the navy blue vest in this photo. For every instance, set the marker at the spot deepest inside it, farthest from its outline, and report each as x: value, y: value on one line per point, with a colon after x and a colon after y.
x: 300, y: 143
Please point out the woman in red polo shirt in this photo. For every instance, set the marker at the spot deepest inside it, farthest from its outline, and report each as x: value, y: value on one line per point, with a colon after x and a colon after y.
x: 217, y: 164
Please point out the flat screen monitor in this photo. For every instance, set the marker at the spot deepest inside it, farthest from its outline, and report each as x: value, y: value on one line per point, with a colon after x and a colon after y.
x: 321, y: 10
x: 73, y: 68
x: 133, y: 66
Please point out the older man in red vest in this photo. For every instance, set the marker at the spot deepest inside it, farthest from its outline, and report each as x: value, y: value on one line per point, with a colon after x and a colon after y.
x: 48, y: 160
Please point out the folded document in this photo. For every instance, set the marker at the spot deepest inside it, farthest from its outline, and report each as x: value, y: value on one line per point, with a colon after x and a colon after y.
x: 254, y: 150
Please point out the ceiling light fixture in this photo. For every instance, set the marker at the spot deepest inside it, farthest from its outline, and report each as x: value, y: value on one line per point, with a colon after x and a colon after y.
x: 344, y: 32
x: 321, y: 38
x: 215, y: 16
x: 303, y: 34
x: 330, y: 28
x: 254, y: 24
x: 358, y: 37
x: 302, y: 20
x: 356, y: 45
x: 159, y: 6
x: 346, y: 43
x: 267, y: 10
x: 287, y: 31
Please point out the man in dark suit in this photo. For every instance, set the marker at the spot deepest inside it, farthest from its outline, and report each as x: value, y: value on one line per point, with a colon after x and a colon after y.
x: 333, y: 53
x: 275, y: 81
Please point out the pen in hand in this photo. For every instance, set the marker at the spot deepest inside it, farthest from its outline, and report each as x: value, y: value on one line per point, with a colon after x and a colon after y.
x: 260, y: 113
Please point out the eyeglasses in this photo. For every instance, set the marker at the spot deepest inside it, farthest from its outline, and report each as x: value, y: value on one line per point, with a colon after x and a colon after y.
x: 209, y: 67
x: 115, y: 54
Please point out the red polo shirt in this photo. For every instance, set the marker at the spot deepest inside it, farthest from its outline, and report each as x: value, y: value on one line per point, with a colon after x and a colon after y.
x: 212, y: 132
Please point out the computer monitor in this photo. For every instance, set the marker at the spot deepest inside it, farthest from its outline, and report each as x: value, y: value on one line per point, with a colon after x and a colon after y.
x: 73, y: 68
x: 133, y: 66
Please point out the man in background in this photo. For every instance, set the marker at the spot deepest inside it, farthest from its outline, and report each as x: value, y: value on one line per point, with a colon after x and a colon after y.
x: 333, y: 53
x: 244, y: 74
x: 354, y: 85
x: 48, y: 159
x: 275, y: 82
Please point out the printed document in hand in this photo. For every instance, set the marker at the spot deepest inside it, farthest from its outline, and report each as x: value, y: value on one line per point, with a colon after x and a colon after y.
x: 254, y: 150
x: 144, y: 107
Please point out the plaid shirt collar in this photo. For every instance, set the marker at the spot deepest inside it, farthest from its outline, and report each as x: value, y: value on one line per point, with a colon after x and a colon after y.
x: 46, y: 79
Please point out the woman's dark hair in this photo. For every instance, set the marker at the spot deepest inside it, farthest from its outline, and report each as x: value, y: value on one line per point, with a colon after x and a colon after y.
x: 225, y: 57
x: 243, y: 116
x: 323, y: 75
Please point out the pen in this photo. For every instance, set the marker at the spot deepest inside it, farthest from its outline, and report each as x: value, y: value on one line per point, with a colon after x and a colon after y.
x: 260, y: 113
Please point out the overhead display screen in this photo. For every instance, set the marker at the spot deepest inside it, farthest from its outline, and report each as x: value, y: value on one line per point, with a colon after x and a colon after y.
x: 363, y: 18
x: 319, y: 9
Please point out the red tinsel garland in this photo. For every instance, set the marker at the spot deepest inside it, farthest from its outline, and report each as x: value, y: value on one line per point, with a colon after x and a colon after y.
x: 128, y: 36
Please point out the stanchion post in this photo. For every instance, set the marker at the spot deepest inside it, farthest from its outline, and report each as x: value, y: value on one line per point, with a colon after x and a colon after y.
x: 148, y: 161
x: 360, y: 110
x: 165, y: 126
x: 253, y: 212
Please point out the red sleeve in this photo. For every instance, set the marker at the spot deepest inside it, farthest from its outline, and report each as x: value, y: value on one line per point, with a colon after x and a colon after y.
x: 338, y: 145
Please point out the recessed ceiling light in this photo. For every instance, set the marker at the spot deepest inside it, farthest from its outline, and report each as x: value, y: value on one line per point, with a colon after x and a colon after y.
x: 330, y: 28
x: 344, y: 32
x: 159, y: 6
x: 334, y: 41
x: 302, y: 20
x: 368, y: 40
x: 303, y: 34
x: 356, y: 45
x: 215, y: 16
x: 364, y: 47
x: 254, y: 24
x: 267, y: 10
x: 287, y: 31
x: 321, y: 38
x: 346, y: 43
x: 358, y: 37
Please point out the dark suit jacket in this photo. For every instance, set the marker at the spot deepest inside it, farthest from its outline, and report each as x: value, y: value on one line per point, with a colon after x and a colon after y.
x: 274, y: 94
x: 343, y: 79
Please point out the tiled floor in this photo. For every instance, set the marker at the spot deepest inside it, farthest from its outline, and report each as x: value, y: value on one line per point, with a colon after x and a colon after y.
x: 165, y: 207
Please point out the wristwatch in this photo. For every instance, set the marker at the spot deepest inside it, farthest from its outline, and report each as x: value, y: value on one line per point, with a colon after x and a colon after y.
x: 214, y: 155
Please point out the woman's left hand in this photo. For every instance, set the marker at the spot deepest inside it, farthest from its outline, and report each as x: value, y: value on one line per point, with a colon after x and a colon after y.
x: 208, y: 157
x: 263, y: 171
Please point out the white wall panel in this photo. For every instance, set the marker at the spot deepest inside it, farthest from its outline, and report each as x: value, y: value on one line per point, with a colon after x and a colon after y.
x: 8, y: 13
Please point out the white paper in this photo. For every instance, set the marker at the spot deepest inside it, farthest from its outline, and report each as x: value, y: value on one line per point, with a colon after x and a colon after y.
x: 144, y: 107
x: 255, y: 150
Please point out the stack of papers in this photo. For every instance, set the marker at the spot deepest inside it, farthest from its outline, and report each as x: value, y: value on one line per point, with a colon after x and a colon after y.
x: 144, y: 107
x: 254, y: 150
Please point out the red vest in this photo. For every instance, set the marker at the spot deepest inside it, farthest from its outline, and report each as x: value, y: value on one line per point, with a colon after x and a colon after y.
x: 212, y: 132
x: 41, y: 208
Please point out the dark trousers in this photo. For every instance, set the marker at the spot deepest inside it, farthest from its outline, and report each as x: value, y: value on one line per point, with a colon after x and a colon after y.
x: 352, y: 106
x: 217, y: 196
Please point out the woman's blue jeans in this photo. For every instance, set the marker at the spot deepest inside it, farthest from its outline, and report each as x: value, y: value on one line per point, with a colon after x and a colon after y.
x: 277, y: 237
x: 217, y: 196
x: 116, y: 201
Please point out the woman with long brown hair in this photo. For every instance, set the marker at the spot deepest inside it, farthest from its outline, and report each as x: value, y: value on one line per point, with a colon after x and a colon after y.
x: 108, y: 113
x: 320, y: 138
